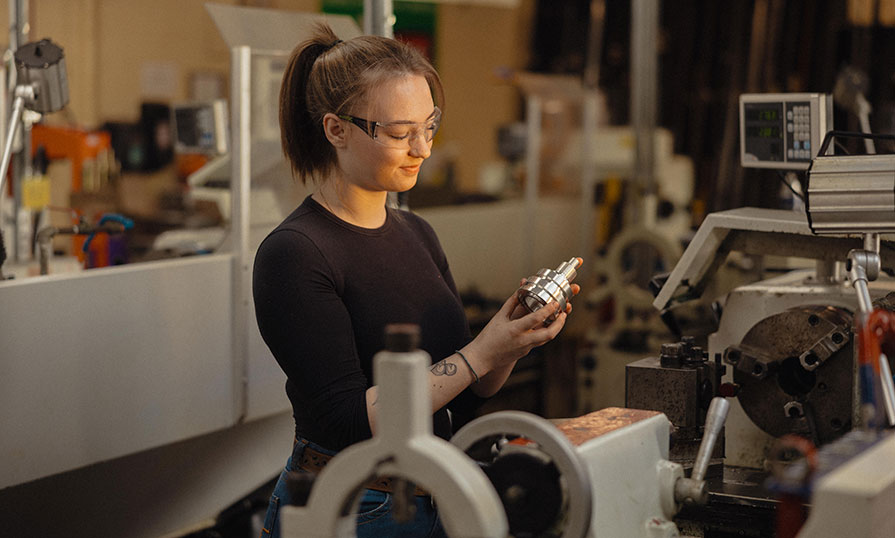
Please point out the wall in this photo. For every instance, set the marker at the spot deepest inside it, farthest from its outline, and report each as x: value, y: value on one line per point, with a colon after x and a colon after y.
x: 110, y: 45
x: 474, y: 41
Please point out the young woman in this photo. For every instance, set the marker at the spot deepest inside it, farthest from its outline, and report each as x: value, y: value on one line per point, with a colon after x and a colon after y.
x: 357, y: 119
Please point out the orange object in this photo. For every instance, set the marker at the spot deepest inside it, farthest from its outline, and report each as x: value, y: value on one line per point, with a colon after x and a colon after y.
x: 187, y: 163
x: 791, y: 509
x: 879, y: 329
x: 78, y: 145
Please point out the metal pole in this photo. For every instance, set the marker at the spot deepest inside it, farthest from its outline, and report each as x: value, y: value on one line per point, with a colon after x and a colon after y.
x: 591, y: 82
x: 18, y: 36
x: 644, y: 75
x: 379, y: 18
x: 17, y: 107
x: 586, y: 239
x: 594, y: 44
x: 532, y: 180
x: 240, y: 193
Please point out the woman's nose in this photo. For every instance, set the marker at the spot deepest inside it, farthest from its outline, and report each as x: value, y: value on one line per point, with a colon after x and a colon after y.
x: 419, y: 146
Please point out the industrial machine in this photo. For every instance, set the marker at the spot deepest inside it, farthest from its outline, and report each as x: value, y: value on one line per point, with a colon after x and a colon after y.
x: 794, y: 353
x: 604, y: 474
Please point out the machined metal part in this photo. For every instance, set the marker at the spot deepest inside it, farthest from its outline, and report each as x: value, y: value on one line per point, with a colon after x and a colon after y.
x: 548, y: 286
x: 786, y: 396
x: 824, y: 348
x: 851, y: 194
x: 750, y: 360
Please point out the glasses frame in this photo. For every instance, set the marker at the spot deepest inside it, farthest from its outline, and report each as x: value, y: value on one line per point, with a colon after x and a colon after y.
x: 369, y: 126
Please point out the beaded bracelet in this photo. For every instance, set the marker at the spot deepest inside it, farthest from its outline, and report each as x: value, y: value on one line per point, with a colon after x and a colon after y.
x: 462, y: 356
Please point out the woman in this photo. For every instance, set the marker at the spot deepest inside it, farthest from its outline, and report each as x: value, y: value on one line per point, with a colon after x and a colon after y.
x: 357, y: 119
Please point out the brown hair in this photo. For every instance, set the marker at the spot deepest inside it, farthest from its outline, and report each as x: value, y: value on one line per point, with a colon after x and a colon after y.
x: 325, y: 75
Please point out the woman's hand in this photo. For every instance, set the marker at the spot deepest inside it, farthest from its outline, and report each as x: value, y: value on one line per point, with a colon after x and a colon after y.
x: 512, y: 333
x: 508, y: 337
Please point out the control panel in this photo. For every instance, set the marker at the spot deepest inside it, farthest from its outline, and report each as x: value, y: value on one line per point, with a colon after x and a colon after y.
x: 783, y: 130
x: 200, y: 127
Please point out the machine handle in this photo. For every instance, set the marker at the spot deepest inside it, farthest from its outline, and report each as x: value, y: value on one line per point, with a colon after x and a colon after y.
x: 693, y: 490
x: 714, y: 421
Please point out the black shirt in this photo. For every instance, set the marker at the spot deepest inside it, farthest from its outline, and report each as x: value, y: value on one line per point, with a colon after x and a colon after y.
x: 324, y: 291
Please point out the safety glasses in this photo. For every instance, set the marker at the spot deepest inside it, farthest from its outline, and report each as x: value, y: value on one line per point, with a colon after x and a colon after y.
x: 398, y: 134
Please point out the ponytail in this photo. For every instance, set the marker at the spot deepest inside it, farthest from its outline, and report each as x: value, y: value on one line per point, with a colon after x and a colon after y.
x: 299, y: 128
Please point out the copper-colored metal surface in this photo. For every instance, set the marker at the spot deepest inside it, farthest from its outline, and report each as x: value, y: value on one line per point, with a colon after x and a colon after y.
x: 584, y: 428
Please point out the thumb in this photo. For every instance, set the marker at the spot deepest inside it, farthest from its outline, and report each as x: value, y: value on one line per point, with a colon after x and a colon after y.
x: 509, y: 305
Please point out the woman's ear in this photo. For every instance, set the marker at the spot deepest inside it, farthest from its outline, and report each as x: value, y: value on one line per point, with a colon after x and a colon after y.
x: 334, y: 129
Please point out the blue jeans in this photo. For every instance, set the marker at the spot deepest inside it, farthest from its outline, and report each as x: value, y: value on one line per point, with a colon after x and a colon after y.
x: 374, y: 517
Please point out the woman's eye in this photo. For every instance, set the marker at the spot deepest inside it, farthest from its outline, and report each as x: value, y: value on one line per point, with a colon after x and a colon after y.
x: 397, y: 133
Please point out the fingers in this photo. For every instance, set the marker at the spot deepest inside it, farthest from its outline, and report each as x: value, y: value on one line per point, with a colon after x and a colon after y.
x: 542, y: 334
x: 518, y: 312
x: 537, y: 318
x: 557, y: 325
x: 509, y: 306
x: 575, y: 289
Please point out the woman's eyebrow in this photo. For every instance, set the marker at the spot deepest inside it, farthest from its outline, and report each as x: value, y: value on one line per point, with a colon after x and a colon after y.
x: 408, y: 122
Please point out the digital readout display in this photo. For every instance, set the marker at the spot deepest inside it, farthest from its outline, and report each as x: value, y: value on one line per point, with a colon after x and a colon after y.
x: 756, y: 131
x: 754, y: 113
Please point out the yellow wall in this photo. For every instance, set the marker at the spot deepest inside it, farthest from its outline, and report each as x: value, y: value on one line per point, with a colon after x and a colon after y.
x: 472, y: 42
x: 109, y: 43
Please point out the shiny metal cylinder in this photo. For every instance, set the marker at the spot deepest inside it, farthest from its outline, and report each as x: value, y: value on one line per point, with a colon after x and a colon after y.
x: 850, y: 194
x: 548, y: 286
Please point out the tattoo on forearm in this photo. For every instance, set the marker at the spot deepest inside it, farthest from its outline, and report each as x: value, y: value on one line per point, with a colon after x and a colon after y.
x: 443, y: 368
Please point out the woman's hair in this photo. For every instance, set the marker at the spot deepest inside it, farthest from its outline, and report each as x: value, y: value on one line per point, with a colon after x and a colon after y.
x: 325, y: 75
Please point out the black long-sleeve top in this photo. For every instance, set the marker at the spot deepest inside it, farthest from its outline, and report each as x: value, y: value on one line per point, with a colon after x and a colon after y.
x: 324, y: 291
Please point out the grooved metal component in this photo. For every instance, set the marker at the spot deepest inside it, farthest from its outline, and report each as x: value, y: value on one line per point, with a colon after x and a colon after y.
x: 851, y: 194
x: 548, y: 286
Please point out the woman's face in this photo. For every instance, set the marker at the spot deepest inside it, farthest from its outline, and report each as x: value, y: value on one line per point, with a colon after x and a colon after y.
x: 372, y: 166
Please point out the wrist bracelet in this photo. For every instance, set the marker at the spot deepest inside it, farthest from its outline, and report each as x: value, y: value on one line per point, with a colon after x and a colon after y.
x: 462, y: 356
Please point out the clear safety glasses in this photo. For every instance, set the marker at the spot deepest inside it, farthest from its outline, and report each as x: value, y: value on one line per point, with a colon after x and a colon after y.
x: 398, y: 134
